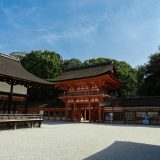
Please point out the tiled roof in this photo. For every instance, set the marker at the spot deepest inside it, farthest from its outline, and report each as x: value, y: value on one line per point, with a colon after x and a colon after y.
x: 11, y: 67
x: 84, y: 72
x: 133, y: 102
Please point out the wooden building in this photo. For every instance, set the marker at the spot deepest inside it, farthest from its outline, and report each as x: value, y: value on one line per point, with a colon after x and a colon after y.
x: 54, y: 109
x: 14, y: 83
x: 136, y: 110
x: 84, y: 90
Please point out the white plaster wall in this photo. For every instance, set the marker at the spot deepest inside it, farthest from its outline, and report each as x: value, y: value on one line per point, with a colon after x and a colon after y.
x: 4, y: 87
x: 19, y: 89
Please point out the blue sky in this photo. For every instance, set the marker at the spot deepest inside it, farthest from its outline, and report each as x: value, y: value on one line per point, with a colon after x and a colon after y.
x: 126, y: 30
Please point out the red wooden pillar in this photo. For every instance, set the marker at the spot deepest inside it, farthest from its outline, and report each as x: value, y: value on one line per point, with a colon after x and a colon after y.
x: 74, y: 112
x: 102, y: 112
x: 89, y: 111
x: 84, y: 114
x: 99, y: 111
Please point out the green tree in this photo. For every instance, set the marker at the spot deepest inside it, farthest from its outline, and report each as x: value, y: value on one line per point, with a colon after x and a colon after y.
x: 45, y: 64
x: 71, y: 63
x: 94, y: 61
x: 128, y: 75
x: 150, y: 76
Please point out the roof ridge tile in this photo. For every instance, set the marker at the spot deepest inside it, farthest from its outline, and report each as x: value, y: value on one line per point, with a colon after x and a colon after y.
x: 10, y: 57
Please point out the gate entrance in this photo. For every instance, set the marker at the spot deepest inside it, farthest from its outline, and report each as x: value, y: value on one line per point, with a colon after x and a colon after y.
x: 84, y: 115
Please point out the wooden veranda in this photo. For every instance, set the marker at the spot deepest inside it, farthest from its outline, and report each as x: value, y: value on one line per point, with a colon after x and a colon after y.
x: 14, y: 121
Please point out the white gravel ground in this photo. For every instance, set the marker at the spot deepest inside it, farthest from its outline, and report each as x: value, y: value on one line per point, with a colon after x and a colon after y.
x: 76, y: 141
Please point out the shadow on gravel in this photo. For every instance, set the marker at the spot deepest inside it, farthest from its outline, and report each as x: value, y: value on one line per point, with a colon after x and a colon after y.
x: 120, y: 150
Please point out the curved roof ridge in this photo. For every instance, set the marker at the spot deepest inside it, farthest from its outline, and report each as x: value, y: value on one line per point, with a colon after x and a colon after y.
x: 84, y: 72
x: 10, y: 57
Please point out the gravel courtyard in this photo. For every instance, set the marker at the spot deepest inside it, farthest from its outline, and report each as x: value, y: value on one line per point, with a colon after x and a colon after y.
x: 76, y: 141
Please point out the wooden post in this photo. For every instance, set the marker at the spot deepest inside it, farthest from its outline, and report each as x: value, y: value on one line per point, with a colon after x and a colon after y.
x: 74, y: 112
x: 84, y: 114
x: 123, y: 117
x: 10, y: 98
x: 99, y: 109
x: 66, y: 113
x: 26, y: 104
x: 94, y: 113
x: 66, y: 110
x: 102, y: 115
x: 40, y: 124
x: 4, y: 106
x: 54, y: 114
x: 14, y: 107
x: 60, y: 115
x: 89, y: 111
x: 15, y: 125
x: 32, y: 124
x: 48, y: 115
x: 134, y: 117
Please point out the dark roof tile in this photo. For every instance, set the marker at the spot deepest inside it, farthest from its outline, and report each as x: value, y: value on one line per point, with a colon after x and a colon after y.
x: 133, y: 102
x: 12, y: 68
x: 79, y: 73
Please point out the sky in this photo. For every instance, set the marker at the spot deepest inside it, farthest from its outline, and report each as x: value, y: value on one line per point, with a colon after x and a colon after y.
x: 125, y: 30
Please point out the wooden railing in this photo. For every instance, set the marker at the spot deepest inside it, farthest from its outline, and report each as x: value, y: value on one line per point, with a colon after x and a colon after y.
x: 25, y: 120
x: 84, y: 93
x: 20, y: 117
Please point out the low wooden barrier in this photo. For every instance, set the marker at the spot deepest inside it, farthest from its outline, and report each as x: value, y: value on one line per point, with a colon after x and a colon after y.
x: 14, y: 121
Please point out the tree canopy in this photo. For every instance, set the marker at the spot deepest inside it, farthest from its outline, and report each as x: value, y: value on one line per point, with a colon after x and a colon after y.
x: 128, y: 75
x: 71, y: 63
x: 96, y: 61
x: 45, y: 64
x: 149, y: 76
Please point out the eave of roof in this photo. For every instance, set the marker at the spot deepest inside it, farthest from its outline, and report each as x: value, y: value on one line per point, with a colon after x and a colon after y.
x: 81, y: 73
x: 11, y: 68
x: 133, y: 101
